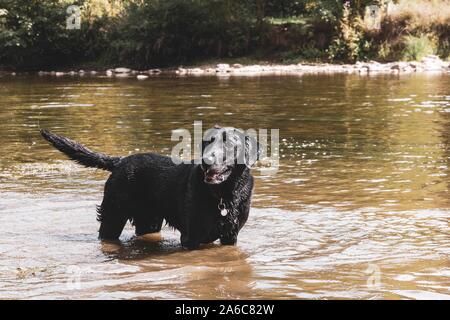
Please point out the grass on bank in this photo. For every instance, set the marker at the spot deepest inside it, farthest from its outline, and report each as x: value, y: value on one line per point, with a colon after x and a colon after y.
x: 417, y: 47
x: 287, y: 20
x: 411, y: 29
x: 422, y: 13
x: 415, y: 28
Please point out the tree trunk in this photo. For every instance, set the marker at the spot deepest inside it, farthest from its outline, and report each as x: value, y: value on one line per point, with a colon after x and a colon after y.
x: 260, y: 12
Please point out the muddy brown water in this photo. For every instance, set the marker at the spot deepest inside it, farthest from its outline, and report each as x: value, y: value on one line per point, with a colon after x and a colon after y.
x: 359, y: 207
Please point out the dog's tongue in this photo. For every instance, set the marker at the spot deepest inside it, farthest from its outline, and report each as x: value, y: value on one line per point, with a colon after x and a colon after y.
x: 211, y: 177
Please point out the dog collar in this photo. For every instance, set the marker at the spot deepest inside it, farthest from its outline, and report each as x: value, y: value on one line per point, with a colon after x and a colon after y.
x: 222, y: 208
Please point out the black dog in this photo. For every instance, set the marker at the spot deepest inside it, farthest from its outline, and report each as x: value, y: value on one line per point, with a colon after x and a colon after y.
x: 205, y: 202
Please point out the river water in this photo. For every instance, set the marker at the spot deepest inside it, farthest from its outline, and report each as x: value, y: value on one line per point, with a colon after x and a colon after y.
x: 359, y: 207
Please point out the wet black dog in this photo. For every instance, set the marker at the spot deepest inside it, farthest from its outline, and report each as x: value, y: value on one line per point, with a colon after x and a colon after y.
x: 205, y: 201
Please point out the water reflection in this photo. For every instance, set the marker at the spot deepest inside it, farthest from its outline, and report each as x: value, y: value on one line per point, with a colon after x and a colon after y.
x: 213, y: 271
x: 363, y: 180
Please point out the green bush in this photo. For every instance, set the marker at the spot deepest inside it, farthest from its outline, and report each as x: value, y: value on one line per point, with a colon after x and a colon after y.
x: 346, y: 44
x: 33, y: 35
x: 153, y: 33
x: 415, y: 48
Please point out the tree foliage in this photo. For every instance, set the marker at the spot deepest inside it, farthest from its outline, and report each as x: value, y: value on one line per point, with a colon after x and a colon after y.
x: 146, y: 33
x: 161, y: 32
x: 33, y: 34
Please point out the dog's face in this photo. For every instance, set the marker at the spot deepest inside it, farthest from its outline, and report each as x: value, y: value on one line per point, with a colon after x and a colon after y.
x: 224, y: 150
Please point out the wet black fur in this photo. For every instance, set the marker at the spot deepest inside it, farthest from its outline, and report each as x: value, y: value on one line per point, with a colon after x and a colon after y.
x: 147, y: 189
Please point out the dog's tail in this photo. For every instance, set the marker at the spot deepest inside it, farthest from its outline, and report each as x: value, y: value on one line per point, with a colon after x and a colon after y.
x: 79, y: 153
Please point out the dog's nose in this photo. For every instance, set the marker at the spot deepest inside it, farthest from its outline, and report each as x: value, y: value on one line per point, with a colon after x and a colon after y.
x: 212, y: 171
x: 209, y: 159
x: 206, y: 167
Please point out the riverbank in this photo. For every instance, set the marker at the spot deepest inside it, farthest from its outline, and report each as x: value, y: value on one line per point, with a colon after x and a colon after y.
x: 429, y: 63
x: 147, y: 34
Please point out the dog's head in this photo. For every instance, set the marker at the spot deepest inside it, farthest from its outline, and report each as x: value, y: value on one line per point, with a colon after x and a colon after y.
x: 227, y: 150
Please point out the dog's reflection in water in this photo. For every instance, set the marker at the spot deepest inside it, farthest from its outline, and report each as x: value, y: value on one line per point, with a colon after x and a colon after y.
x: 213, y: 271
x: 135, y: 248
x: 156, y: 245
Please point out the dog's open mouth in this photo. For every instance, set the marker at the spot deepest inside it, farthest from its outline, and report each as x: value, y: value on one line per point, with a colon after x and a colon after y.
x: 217, y: 177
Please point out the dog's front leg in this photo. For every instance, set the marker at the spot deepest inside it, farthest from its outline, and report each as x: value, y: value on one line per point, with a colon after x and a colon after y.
x: 188, y: 243
x: 229, y: 237
x: 229, y: 240
x: 229, y: 233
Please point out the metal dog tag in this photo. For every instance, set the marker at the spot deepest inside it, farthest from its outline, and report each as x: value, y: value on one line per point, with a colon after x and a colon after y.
x: 223, y: 210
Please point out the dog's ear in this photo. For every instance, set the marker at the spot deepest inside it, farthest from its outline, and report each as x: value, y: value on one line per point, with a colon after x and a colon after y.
x: 209, y: 136
x: 251, y: 147
x: 252, y: 150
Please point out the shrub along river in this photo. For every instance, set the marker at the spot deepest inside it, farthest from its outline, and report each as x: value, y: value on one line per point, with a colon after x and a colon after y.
x: 359, y: 208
